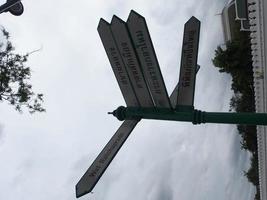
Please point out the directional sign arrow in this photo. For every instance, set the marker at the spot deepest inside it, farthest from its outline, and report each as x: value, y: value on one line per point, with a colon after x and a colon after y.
x: 148, y: 60
x: 95, y: 171
x: 186, y: 87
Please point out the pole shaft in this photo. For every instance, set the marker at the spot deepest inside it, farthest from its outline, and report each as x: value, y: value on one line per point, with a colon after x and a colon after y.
x: 196, y: 116
x: 237, y: 118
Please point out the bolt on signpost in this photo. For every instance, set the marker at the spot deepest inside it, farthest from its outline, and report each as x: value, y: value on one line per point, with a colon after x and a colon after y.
x: 132, y: 57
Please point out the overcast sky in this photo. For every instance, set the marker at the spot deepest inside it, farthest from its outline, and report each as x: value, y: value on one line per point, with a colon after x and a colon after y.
x: 43, y: 156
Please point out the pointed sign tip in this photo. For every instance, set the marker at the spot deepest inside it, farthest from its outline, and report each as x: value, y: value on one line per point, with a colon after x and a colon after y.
x: 102, y: 22
x: 115, y: 18
x: 133, y: 15
x: 193, y: 18
x: 192, y: 21
x: 80, y: 192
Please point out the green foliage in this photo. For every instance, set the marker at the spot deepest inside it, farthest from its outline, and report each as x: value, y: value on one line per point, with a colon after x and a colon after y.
x: 253, y: 174
x: 248, y: 134
x: 14, y: 76
x: 235, y: 59
x: 227, y: 60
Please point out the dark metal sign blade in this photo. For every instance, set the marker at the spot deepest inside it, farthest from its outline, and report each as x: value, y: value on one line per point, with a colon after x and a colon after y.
x: 100, y: 164
x: 186, y: 88
x: 117, y: 63
x: 173, y: 96
x: 145, y: 51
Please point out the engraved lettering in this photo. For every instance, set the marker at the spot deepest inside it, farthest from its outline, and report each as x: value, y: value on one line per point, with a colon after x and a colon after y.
x: 188, y: 60
x: 142, y: 45
x: 120, y: 72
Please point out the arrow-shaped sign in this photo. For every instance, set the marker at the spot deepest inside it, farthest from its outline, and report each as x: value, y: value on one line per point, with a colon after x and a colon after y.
x: 95, y: 171
x: 186, y: 87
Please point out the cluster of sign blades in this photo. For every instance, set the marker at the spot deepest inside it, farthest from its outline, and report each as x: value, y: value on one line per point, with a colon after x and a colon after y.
x: 131, y: 53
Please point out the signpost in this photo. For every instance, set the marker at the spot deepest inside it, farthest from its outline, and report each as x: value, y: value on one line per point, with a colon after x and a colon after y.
x: 186, y: 87
x: 134, y: 63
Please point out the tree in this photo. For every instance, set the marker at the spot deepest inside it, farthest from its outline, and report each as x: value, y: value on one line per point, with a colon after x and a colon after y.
x: 235, y: 59
x: 226, y: 59
x: 253, y: 174
x: 14, y: 79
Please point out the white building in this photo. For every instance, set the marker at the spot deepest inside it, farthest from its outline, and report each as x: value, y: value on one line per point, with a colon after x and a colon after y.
x: 257, y: 10
x: 253, y: 19
x: 234, y: 18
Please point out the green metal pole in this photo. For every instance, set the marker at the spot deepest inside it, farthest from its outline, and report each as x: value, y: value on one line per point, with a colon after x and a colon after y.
x: 194, y: 116
x: 236, y: 118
